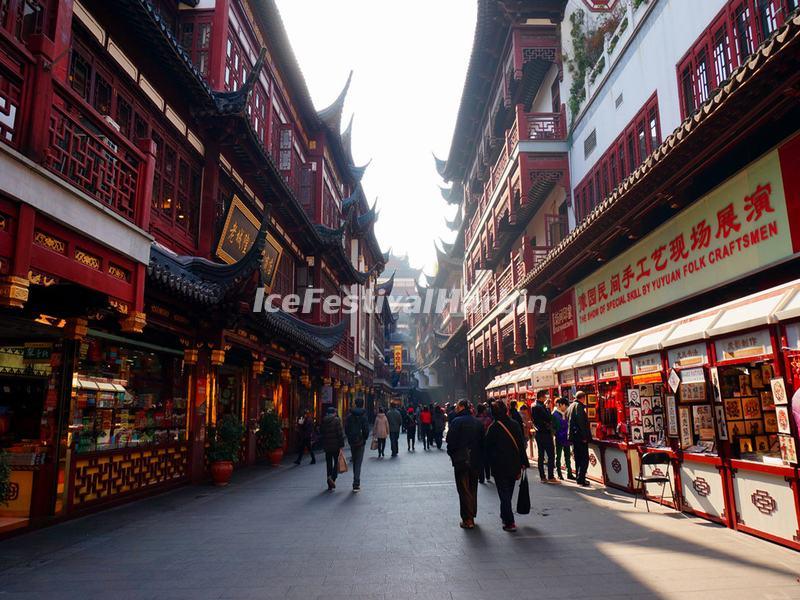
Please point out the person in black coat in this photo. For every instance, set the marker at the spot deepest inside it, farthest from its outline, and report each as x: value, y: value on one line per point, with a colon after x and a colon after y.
x: 579, y: 433
x: 464, y: 445
x: 305, y: 437
x: 439, y: 422
x: 505, y: 447
x: 543, y: 422
x: 411, y: 429
x: 331, y: 436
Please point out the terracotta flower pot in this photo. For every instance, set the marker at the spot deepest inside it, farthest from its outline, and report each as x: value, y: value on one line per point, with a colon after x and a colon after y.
x: 275, y: 456
x: 221, y: 472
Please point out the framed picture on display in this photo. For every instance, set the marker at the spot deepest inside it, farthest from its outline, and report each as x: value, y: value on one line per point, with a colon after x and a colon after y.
x: 703, y: 420
x: 766, y: 373
x: 637, y: 434
x: 648, y: 425
x: 715, y: 384
x: 591, y: 412
x: 736, y: 429
x: 672, y: 417
x: 774, y: 443
x: 756, y: 380
x: 766, y: 400
x: 778, y: 386
x: 722, y: 427
x: 685, y: 421
x: 771, y: 422
x: 751, y: 407
x: 745, y: 445
x: 782, y: 413
x: 733, y: 409
x: 633, y: 397
x: 658, y: 422
x: 788, y: 449
x: 593, y: 429
x: 762, y: 444
x: 636, y: 416
x: 647, y: 405
x: 646, y: 389
x: 754, y: 427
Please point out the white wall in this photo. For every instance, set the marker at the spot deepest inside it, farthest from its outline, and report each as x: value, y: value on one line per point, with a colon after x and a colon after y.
x: 648, y: 64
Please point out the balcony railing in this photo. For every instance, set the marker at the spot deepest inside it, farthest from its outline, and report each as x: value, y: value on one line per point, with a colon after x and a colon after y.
x: 346, y: 348
x: 89, y: 153
x: 533, y: 127
x: 10, y: 96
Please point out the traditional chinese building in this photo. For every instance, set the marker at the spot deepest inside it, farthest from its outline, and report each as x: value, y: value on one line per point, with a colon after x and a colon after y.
x: 673, y: 298
x: 166, y: 184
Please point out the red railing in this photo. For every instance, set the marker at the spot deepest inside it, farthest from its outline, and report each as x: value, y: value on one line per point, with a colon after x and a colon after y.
x: 92, y: 155
x: 541, y: 126
x: 346, y: 348
x: 505, y: 283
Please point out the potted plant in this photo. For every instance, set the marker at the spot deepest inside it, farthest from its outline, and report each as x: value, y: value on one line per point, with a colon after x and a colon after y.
x: 270, y: 436
x: 224, y: 442
x: 5, y: 478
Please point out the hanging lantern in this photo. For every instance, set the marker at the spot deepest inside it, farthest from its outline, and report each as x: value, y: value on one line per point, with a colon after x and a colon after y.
x: 336, y: 384
x: 218, y: 358
x: 286, y: 374
x: 326, y: 381
x: 190, y: 356
x: 258, y: 367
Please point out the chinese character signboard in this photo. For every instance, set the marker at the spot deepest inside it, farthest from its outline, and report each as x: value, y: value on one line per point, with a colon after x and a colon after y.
x: 239, y: 234
x: 563, y: 319
x: 397, y: 351
x: 740, y: 227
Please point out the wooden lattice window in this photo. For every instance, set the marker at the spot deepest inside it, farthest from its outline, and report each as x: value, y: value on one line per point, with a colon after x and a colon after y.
x: 176, y: 184
x: 195, y: 36
x: 284, y: 276
x: 235, y: 60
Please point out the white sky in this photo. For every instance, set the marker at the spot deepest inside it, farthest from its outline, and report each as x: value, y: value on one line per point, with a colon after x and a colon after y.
x: 409, y: 61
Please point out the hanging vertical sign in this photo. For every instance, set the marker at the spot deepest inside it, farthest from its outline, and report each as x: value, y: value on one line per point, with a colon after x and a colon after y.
x: 397, y: 352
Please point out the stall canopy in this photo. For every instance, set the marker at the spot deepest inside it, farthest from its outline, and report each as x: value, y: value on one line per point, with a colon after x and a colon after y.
x: 651, y: 340
x: 588, y: 356
x: 791, y: 308
x: 614, y: 350
x: 568, y: 362
x: 756, y: 311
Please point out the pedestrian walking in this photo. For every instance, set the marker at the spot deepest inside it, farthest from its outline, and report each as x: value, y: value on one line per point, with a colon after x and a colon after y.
x: 465, y: 445
x: 505, y: 447
x: 439, y: 421
x: 331, y: 435
x: 411, y: 429
x: 305, y: 437
x: 579, y: 433
x: 356, y: 429
x: 562, y: 441
x: 484, y: 416
x: 527, y: 426
x: 426, y: 425
x: 380, y: 431
x: 450, y: 411
x: 395, y: 425
x: 543, y: 423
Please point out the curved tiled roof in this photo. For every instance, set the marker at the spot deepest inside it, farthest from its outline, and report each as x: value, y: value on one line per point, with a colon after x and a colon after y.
x: 313, y: 337
x: 766, y: 54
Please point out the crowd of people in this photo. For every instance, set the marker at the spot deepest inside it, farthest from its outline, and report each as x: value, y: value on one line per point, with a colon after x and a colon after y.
x: 490, y: 440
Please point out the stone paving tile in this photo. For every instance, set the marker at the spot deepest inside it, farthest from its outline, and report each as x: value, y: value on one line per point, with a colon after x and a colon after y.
x: 275, y: 533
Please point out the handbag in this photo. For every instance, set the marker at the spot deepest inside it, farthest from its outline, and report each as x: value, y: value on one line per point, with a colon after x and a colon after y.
x: 374, y: 444
x: 524, y: 496
x: 342, y: 466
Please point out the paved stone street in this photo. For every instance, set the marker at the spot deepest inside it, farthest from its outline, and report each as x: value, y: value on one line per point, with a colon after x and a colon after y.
x: 275, y: 533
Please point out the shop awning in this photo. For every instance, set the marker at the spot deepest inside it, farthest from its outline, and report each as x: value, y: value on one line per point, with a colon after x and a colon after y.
x: 791, y: 307
x: 498, y: 381
x: 568, y: 362
x: 614, y: 350
x: 753, y: 313
x: 588, y: 356
x: 690, y: 330
x: 651, y: 340
x: 85, y: 384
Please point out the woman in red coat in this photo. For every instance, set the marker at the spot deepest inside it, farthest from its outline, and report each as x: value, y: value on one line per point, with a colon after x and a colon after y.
x: 426, y: 424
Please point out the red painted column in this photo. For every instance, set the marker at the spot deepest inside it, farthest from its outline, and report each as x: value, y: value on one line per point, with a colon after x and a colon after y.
x: 219, y: 40
x: 530, y: 329
x: 500, y: 357
x: 39, y: 99
x: 14, y: 287
x: 208, y: 202
x: 144, y: 185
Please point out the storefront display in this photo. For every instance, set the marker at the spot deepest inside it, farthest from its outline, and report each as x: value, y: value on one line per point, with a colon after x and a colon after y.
x: 124, y: 396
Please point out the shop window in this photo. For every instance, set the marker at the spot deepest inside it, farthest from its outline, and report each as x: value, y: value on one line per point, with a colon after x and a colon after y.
x: 176, y: 184
x: 632, y: 146
x: 123, y: 396
x: 711, y: 60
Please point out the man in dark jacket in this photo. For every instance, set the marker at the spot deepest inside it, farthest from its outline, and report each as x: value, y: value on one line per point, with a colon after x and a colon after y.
x: 331, y: 435
x: 543, y: 422
x: 356, y: 428
x: 395, y: 425
x: 514, y: 414
x: 305, y: 436
x: 579, y: 433
x: 464, y: 445
x: 505, y: 446
x: 439, y: 422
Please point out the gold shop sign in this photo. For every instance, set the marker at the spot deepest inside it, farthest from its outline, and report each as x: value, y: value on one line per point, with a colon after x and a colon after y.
x: 238, y: 236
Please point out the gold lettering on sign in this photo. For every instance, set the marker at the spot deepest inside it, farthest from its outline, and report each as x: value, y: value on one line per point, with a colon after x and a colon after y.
x: 120, y: 307
x: 37, y: 278
x: 118, y: 272
x: 86, y: 259
x: 158, y: 310
x: 40, y: 238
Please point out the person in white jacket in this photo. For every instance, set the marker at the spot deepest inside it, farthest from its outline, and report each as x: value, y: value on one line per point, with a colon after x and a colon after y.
x: 380, y: 431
